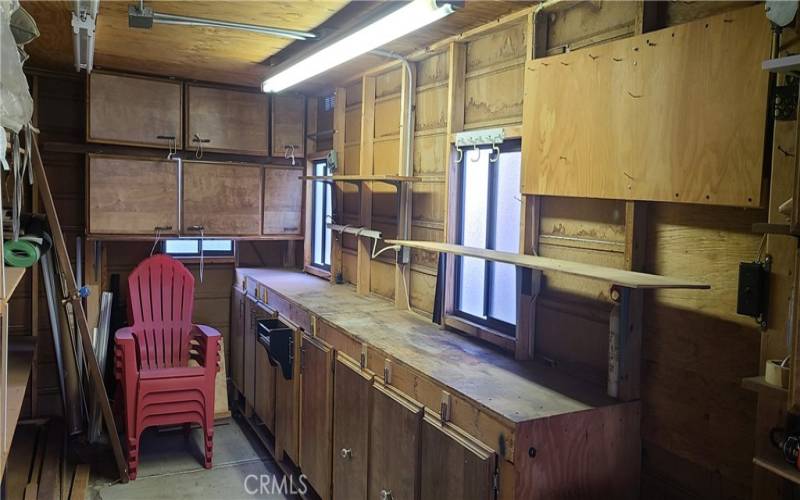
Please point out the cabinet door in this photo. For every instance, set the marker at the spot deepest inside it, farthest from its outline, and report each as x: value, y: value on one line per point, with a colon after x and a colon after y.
x: 230, y: 120
x: 453, y: 465
x: 249, y: 348
x: 316, y: 414
x: 288, y: 124
x: 394, y: 445
x: 265, y: 388
x: 134, y: 110
x: 287, y: 408
x: 283, y: 201
x: 237, y: 340
x: 222, y: 198
x: 132, y: 196
x: 351, y: 407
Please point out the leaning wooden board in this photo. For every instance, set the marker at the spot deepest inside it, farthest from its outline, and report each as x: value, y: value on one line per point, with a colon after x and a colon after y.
x: 653, y: 117
x: 494, y: 399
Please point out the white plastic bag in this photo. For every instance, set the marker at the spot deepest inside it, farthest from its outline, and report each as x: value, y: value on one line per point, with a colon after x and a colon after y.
x: 16, y: 104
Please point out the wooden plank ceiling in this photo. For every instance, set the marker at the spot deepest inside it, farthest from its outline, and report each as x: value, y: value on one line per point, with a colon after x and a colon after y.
x: 224, y: 55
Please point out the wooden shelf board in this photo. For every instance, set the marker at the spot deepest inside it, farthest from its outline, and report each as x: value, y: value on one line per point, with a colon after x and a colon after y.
x: 776, y: 465
x: 13, y: 278
x: 20, y: 358
x: 758, y: 384
x: 788, y: 64
x: 392, y: 179
x: 610, y: 275
x: 768, y: 228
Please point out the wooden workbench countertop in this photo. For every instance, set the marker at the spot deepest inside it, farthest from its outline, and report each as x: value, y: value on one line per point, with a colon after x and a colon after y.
x: 514, y: 390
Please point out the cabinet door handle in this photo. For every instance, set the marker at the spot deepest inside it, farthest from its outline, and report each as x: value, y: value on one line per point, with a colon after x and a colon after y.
x: 295, y: 228
x: 166, y: 137
x: 158, y: 229
x: 346, y: 453
x: 386, y: 494
x: 196, y: 227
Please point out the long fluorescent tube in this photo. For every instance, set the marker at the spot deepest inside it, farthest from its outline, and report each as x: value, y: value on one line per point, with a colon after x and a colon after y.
x: 401, y: 22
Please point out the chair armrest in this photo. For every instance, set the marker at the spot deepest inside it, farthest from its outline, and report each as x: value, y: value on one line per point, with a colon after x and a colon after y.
x: 125, y: 362
x: 207, y: 347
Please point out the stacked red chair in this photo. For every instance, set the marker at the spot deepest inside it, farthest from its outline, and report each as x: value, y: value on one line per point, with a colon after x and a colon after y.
x: 157, y: 383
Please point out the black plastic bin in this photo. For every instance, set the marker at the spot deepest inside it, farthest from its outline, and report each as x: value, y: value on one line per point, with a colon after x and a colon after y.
x: 278, y: 339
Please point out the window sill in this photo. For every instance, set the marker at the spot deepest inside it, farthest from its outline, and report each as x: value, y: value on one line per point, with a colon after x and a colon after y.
x: 206, y: 260
x: 315, y: 271
x: 482, y: 332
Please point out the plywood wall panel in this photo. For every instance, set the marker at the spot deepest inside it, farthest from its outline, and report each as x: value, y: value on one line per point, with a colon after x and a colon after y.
x: 386, y: 158
x: 387, y: 117
x: 352, y: 125
x: 432, y: 69
x: 494, y: 99
x: 431, y: 108
x: 388, y: 83
x: 429, y: 202
x: 653, y: 117
x: 429, y: 151
x: 587, y: 24
x: 499, y: 46
x: 423, y: 290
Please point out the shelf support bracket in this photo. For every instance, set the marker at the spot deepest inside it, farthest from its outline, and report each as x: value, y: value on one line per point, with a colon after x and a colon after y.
x: 625, y: 343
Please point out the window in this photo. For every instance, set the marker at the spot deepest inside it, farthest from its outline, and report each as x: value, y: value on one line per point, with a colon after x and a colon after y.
x: 192, y: 247
x: 321, y: 214
x: 489, y: 216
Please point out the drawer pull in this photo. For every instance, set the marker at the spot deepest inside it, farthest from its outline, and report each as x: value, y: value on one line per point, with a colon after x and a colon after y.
x: 386, y: 494
x: 197, y: 227
x: 346, y: 453
x: 295, y: 228
x: 158, y: 229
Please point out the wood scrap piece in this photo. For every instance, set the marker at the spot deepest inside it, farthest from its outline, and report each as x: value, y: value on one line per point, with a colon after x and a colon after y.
x: 50, y: 479
x: 32, y: 489
x: 80, y: 482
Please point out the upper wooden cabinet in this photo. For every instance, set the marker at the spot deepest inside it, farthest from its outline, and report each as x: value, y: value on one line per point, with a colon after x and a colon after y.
x: 132, y: 196
x: 283, y: 201
x: 134, y: 110
x: 288, y: 124
x: 222, y: 199
x: 233, y: 121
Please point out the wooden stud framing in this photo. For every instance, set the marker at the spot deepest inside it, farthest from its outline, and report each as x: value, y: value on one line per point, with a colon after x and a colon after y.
x: 402, y: 274
x: 366, y: 168
x: 339, y: 121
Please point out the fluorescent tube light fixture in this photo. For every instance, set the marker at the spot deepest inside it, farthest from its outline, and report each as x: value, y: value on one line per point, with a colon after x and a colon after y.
x: 401, y: 22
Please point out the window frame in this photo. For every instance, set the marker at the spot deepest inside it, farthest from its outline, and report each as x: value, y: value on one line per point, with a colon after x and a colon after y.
x: 206, y: 254
x: 490, y: 328
x: 309, y: 266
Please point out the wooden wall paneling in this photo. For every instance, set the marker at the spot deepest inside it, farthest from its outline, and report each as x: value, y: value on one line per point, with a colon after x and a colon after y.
x: 366, y: 167
x: 134, y: 110
x: 455, y: 123
x: 224, y: 199
x: 233, y: 121
x: 394, y: 464
x: 316, y: 414
x: 311, y: 127
x: 288, y: 124
x: 283, y: 201
x: 659, y: 166
x: 351, y: 424
x: 131, y: 195
x: 583, y: 24
x: 340, y: 123
x: 452, y: 464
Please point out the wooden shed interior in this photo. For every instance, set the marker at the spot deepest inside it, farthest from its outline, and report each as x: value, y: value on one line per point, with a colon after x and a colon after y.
x: 483, y: 250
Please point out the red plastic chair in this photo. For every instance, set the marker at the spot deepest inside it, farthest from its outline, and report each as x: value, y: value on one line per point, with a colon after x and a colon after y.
x: 156, y: 383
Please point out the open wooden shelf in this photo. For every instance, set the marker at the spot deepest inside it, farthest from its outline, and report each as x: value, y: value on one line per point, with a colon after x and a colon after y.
x: 760, y: 385
x: 788, y: 64
x: 610, y: 275
x: 389, y: 179
x: 13, y: 278
x: 20, y: 358
x: 769, y: 228
x: 775, y: 464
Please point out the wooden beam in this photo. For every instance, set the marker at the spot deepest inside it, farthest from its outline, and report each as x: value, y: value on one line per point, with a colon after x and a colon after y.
x: 339, y: 123
x: 60, y: 248
x: 529, y: 283
x: 366, y: 167
x: 457, y: 67
x: 402, y: 272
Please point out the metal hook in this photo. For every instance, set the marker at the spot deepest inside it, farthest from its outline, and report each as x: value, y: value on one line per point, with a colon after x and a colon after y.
x: 477, y: 157
x: 288, y: 153
x: 460, y: 154
x: 495, y: 154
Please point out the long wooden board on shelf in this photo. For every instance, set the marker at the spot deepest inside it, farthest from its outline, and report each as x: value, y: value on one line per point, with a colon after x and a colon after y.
x: 20, y: 358
x: 653, y: 117
x: 610, y: 275
x: 362, y: 178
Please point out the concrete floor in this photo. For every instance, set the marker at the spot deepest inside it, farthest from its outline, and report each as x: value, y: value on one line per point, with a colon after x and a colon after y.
x: 170, y: 468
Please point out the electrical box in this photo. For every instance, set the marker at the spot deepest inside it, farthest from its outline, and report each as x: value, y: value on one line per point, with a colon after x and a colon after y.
x: 753, y: 295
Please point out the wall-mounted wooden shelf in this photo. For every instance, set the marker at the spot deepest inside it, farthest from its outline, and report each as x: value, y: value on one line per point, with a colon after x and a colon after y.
x: 20, y: 358
x: 13, y: 278
x: 770, y: 228
x: 357, y: 179
x: 778, y: 466
x: 788, y: 64
x: 628, y: 279
x: 759, y: 385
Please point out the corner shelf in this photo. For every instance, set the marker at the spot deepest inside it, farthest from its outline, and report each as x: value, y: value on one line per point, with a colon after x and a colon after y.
x: 760, y: 385
x: 619, y: 277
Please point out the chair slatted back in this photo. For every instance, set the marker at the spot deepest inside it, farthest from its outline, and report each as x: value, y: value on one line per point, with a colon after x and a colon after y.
x: 160, y: 301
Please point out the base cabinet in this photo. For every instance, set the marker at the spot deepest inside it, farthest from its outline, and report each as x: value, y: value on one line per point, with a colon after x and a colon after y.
x: 264, y: 387
x: 237, y: 339
x: 316, y: 414
x: 351, y: 406
x: 395, y: 428
x: 453, y: 465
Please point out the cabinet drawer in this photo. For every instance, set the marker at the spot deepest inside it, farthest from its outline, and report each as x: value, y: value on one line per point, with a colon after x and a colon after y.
x: 224, y: 199
x: 134, y: 110
x: 288, y: 124
x: 230, y: 120
x: 132, y: 195
x: 283, y: 201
